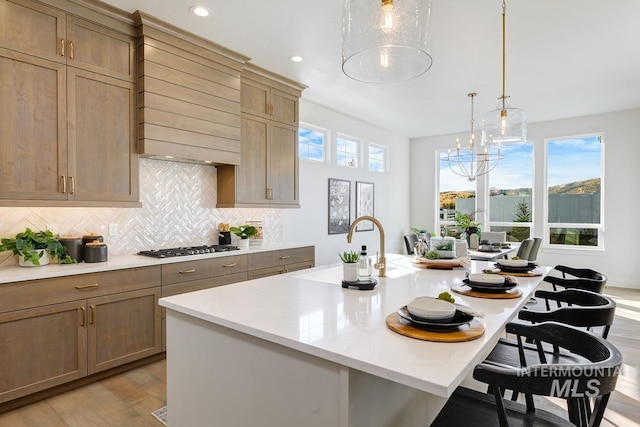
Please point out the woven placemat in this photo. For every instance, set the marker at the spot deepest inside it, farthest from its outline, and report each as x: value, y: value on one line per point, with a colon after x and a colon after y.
x: 462, y: 289
x: 469, y: 332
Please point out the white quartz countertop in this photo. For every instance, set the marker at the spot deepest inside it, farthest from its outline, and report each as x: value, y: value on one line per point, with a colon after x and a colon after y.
x: 309, y: 311
x: 15, y: 273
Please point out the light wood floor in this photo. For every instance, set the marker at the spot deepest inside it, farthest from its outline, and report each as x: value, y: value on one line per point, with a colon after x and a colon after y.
x: 128, y: 399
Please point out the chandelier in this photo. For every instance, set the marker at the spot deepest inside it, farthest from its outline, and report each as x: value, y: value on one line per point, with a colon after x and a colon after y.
x: 474, y: 161
x: 385, y: 40
x: 504, y: 124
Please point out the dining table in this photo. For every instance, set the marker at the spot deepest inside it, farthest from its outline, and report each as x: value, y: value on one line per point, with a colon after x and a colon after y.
x: 301, y: 349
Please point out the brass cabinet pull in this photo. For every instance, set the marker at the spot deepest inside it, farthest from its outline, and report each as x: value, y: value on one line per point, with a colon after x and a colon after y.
x: 71, y: 50
x: 233, y: 264
x: 88, y: 286
x: 63, y: 181
x: 193, y: 270
x: 73, y: 185
x: 61, y: 47
x: 83, y: 312
x: 285, y: 256
x: 92, y: 319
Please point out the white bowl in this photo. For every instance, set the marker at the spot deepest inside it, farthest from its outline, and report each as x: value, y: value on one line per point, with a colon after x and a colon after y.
x: 431, y: 308
x: 513, y: 262
x: 486, y: 278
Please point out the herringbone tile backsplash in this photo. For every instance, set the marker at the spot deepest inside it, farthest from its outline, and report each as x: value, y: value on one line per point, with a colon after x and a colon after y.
x: 178, y: 209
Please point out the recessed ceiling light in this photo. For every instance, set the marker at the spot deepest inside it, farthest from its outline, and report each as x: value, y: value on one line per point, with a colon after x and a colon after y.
x: 200, y: 11
x: 296, y: 58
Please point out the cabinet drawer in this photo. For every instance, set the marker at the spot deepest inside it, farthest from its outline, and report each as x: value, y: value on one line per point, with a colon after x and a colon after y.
x: 36, y: 293
x: 280, y: 258
x: 203, y: 268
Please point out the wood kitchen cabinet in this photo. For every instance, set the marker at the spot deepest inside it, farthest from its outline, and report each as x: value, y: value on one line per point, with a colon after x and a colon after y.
x: 68, y: 130
x: 189, y: 276
x: 53, y: 331
x: 268, y: 172
x: 271, y: 263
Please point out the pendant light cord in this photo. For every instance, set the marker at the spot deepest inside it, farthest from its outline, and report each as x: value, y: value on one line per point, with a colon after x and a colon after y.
x: 504, y: 54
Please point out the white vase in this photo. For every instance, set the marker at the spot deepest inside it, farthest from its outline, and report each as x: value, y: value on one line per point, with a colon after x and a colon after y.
x: 44, y: 259
x: 350, y: 271
x: 243, y: 243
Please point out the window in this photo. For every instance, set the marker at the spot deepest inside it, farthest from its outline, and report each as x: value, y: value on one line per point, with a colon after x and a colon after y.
x: 377, y: 158
x: 574, y: 191
x: 347, y: 151
x: 510, y: 192
x: 456, y: 193
x: 312, y: 143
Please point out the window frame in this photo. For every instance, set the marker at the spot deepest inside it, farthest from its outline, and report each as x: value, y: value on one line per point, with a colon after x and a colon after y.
x: 326, y: 158
x: 358, y: 156
x: 385, y: 156
x: 547, y: 226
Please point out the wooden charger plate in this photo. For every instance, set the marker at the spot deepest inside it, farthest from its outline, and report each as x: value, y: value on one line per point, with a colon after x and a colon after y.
x: 531, y: 273
x: 463, y: 289
x: 469, y: 332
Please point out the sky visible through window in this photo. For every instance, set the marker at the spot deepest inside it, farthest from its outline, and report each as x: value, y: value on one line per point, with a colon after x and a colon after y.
x: 376, y: 158
x: 311, y: 144
x: 347, y: 152
x: 573, y: 159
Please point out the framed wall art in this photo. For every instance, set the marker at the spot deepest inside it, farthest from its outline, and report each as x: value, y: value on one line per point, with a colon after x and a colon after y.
x: 364, y: 204
x: 339, y: 206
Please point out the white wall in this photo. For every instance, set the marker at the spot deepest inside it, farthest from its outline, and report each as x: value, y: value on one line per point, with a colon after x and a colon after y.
x: 619, y: 260
x: 310, y: 222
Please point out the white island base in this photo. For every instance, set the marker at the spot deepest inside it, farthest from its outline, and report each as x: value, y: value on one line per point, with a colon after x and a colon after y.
x: 220, y: 377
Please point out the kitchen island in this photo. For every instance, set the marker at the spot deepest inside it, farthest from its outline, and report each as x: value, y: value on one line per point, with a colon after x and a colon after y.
x: 300, y: 350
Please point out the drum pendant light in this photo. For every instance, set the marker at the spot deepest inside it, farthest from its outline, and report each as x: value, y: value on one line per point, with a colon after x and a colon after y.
x: 385, y: 40
x: 504, y: 124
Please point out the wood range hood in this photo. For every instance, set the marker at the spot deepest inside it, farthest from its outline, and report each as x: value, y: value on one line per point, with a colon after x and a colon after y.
x: 188, y: 96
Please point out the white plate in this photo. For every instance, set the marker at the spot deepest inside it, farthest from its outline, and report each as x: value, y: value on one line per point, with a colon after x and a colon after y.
x: 486, y: 278
x: 431, y: 308
x: 513, y: 262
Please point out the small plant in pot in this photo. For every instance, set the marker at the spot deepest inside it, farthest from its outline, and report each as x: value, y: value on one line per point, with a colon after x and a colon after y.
x: 244, y: 232
x: 349, y: 265
x: 36, y: 248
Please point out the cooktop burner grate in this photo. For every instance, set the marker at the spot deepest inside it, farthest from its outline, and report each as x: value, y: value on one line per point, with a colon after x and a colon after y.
x: 189, y: 250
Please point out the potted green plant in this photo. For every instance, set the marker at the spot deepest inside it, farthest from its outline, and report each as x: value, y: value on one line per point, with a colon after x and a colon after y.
x: 244, y: 232
x: 468, y: 226
x: 349, y: 265
x: 35, y: 248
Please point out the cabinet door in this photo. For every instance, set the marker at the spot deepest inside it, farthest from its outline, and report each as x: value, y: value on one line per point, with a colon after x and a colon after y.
x: 251, y: 181
x: 99, y: 49
x: 102, y: 159
x: 283, y: 164
x: 122, y: 328
x: 284, y: 107
x: 254, y: 98
x: 33, y: 28
x: 33, y: 124
x: 41, y: 348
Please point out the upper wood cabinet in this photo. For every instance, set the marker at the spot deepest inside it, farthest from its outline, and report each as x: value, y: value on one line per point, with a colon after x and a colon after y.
x: 189, y: 96
x: 68, y: 135
x: 268, y: 173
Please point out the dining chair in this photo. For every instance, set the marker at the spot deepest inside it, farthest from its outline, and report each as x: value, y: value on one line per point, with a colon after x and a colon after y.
x: 494, y: 236
x: 576, y: 278
x: 533, y: 251
x: 410, y: 241
x: 586, y: 387
x: 524, y: 248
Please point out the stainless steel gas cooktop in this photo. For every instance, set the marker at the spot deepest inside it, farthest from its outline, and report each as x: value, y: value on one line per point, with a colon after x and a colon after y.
x: 188, y: 250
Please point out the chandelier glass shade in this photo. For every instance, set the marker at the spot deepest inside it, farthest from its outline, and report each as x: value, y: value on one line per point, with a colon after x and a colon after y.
x: 474, y: 161
x: 505, y: 124
x: 385, y: 40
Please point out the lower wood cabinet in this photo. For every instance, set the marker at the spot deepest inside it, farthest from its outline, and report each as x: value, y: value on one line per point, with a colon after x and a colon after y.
x: 65, y: 328
x: 264, y: 264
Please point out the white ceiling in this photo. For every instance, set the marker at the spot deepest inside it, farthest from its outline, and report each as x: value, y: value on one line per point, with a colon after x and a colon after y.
x: 565, y: 58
